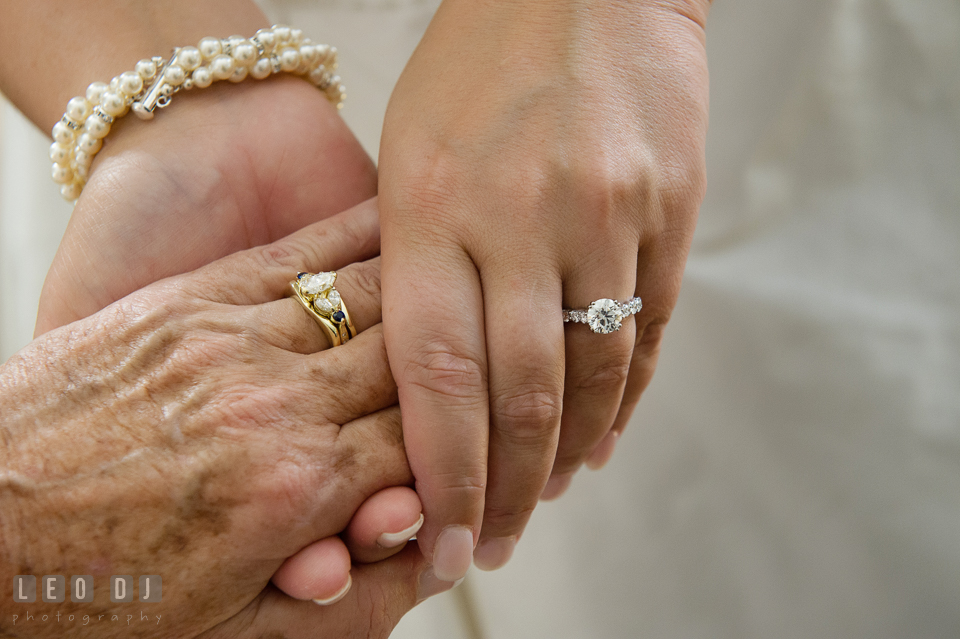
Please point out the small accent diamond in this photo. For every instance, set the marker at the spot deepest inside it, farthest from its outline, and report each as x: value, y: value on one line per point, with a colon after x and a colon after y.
x: 632, y: 306
x: 323, y: 305
x: 334, y: 298
x: 604, y: 316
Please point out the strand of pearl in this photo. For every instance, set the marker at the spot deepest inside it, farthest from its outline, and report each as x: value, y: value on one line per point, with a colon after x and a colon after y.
x: 79, y: 134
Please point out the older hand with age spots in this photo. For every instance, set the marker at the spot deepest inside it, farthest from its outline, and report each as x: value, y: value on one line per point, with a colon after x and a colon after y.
x: 199, y: 430
x: 179, y: 193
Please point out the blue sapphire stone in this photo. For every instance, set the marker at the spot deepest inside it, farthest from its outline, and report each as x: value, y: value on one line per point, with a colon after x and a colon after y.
x: 339, y: 316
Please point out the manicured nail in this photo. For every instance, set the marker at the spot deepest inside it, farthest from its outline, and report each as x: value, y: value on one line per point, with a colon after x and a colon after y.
x: 428, y: 585
x: 494, y: 553
x: 337, y: 597
x: 392, y: 540
x: 556, y: 486
x: 453, y: 553
x: 604, y: 451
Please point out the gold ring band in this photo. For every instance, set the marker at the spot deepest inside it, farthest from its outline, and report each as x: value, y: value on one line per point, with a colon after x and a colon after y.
x: 319, y: 297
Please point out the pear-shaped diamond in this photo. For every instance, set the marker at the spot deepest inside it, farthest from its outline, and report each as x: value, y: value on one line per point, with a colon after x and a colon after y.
x: 323, y: 305
x: 333, y: 297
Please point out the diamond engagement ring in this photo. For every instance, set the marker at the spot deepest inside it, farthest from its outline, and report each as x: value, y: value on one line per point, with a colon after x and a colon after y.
x: 317, y: 294
x: 604, y: 315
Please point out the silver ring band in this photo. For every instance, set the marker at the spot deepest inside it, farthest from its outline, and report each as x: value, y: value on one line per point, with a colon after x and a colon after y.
x: 604, y: 315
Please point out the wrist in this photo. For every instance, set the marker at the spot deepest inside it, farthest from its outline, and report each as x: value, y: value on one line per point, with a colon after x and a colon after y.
x: 89, y: 118
x: 201, y: 123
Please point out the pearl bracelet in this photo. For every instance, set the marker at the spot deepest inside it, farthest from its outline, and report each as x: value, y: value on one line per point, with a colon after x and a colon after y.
x: 78, y: 136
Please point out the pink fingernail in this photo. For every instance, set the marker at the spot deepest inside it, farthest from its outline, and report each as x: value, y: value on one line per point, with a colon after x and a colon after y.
x: 494, y: 553
x: 556, y: 486
x: 429, y: 585
x: 604, y: 451
x: 392, y: 540
x: 337, y: 597
x: 453, y: 553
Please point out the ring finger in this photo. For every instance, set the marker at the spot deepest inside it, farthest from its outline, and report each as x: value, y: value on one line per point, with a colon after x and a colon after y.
x: 597, y: 364
x: 293, y: 329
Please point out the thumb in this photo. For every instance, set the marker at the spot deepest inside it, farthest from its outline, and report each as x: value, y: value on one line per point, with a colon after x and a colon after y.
x: 381, y: 594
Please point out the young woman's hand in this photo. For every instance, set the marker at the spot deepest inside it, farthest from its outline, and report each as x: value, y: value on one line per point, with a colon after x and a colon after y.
x: 536, y: 155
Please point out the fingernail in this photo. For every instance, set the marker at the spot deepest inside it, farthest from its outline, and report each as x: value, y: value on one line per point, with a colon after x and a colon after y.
x: 494, y: 553
x: 392, y: 540
x: 337, y: 597
x: 556, y: 486
x: 453, y: 553
x: 429, y: 585
x: 604, y: 451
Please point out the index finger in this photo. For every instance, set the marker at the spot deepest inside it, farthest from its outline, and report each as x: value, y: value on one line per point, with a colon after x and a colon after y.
x: 263, y: 274
x: 433, y: 327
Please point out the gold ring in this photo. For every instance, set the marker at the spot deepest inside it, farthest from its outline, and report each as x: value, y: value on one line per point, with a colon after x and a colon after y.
x: 318, y: 295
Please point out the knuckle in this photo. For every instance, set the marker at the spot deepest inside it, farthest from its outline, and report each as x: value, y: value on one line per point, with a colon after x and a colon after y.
x: 650, y: 336
x: 243, y: 402
x: 656, y: 196
x: 528, y: 411
x: 212, y: 348
x: 466, y: 482
x: 504, y: 519
x: 287, y: 491
x: 612, y: 184
x: 441, y: 370
x: 430, y: 188
x: 682, y: 189
x: 433, y: 194
x: 645, y: 358
x: 605, y: 376
x: 568, y: 461
x: 695, y: 12
x: 276, y: 254
x: 364, y: 278
x: 184, y: 356
x: 610, y: 191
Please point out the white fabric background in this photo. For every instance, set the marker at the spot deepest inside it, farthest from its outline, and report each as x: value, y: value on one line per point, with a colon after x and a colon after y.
x: 794, y: 470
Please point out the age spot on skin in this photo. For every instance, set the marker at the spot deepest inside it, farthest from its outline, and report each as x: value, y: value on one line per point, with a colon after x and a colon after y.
x: 203, y: 507
x: 17, y: 483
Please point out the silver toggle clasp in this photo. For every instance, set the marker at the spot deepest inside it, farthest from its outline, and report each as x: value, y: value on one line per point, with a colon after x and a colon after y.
x: 158, y: 95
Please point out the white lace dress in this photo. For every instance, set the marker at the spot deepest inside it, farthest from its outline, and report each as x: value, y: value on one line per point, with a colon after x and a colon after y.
x: 794, y: 470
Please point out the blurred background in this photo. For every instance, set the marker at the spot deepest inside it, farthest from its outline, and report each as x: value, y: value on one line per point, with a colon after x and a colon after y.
x: 794, y: 469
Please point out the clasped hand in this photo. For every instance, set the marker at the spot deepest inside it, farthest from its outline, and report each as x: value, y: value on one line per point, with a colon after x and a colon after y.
x: 501, y: 202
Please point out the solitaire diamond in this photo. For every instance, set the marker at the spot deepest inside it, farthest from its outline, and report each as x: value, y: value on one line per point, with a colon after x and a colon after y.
x: 604, y: 316
x: 316, y: 284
